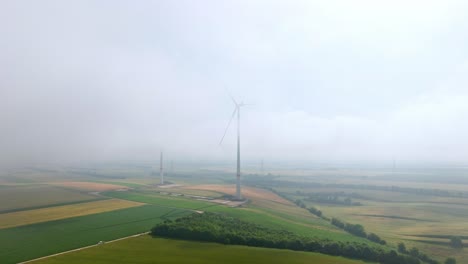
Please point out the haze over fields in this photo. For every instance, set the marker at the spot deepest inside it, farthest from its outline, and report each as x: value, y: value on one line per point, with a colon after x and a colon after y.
x: 328, y: 80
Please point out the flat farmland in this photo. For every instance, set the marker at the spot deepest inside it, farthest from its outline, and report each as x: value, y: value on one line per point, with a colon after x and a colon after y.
x: 145, y: 249
x: 376, y: 195
x: 27, y: 217
x: 409, y: 184
x: 43, y: 239
x: 261, y: 211
x: 410, y: 223
x: 37, y: 196
x: 422, y: 221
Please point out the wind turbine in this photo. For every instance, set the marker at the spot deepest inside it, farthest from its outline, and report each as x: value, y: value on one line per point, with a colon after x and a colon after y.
x: 236, y: 110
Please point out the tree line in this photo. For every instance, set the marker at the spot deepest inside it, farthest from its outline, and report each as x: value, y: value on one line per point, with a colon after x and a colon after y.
x: 224, y: 229
x: 358, y: 230
x: 354, y: 229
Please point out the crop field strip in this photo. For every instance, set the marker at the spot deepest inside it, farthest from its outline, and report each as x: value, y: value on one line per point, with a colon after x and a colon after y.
x: 39, y: 196
x: 193, y: 192
x: 145, y: 249
x: 396, y: 217
x: 37, y: 240
x: 88, y: 186
x: 150, y: 197
x: 9, y: 220
x: 129, y: 184
x: 52, y: 205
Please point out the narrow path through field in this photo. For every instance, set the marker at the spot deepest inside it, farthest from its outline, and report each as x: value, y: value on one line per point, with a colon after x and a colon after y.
x: 78, y: 249
x: 197, y: 210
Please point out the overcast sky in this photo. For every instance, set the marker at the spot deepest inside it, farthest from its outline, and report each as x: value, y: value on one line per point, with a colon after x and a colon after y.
x: 327, y: 80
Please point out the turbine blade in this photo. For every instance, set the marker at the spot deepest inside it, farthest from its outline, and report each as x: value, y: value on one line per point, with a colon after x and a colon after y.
x: 230, y: 121
x: 233, y: 100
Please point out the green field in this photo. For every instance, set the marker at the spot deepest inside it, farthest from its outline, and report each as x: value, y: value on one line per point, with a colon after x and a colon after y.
x: 291, y: 218
x: 37, y: 240
x: 152, y: 197
x: 9, y: 220
x: 146, y: 249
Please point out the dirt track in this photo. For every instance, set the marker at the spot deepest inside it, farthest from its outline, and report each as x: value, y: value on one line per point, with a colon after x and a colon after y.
x: 78, y: 249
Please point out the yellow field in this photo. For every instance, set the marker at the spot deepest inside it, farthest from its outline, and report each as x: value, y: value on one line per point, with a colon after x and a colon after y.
x: 8, y: 220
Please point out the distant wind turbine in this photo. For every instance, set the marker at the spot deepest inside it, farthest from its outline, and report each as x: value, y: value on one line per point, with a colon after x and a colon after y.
x: 236, y: 110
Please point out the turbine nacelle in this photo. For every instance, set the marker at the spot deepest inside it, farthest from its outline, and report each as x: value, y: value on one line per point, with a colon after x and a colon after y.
x: 238, y: 105
x: 236, y: 110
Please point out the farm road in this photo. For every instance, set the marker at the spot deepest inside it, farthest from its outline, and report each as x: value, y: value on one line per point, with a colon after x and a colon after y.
x: 78, y: 249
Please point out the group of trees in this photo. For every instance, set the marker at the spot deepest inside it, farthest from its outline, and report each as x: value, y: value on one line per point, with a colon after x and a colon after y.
x: 414, y: 252
x: 450, y: 261
x: 315, y: 211
x: 300, y: 203
x: 357, y: 230
x: 228, y: 230
x: 456, y: 242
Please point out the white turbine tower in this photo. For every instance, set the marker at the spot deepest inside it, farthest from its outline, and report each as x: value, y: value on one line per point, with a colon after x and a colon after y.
x: 236, y: 110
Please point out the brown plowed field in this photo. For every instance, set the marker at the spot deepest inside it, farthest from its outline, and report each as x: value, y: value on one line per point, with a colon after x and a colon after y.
x: 248, y: 192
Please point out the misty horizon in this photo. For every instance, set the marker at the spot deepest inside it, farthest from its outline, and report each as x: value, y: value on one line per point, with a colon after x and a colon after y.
x: 101, y: 81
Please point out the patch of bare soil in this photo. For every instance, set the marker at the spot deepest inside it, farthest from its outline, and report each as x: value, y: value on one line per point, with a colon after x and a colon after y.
x: 248, y: 192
